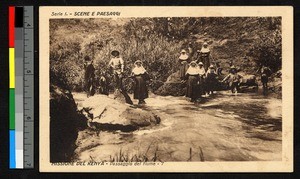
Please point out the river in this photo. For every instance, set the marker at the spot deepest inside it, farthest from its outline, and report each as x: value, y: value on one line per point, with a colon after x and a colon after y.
x: 224, y: 127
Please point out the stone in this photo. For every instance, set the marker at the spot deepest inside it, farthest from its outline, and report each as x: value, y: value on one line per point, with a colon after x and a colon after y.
x: 110, y: 114
x: 65, y: 122
x: 173, y: 86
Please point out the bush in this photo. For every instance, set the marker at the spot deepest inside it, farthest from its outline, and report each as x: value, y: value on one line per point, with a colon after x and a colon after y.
x: 159, y: 55
x: 248, y: 42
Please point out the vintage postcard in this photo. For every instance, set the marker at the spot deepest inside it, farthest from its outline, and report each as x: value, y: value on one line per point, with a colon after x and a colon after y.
x: 166, y: 89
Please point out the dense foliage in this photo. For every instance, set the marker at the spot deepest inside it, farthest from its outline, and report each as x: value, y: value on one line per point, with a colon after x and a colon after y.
x: 247, y: 42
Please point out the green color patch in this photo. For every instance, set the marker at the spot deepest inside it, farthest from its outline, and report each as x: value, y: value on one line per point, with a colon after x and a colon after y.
x: 12, y: 108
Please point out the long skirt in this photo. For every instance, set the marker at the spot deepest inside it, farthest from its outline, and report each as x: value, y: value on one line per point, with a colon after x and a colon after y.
x: 182, y: 70
x: 192, y: 90
x: 201, y: 88
x: 205, y: 60
x: 211, y: 82
x: 140, y: 88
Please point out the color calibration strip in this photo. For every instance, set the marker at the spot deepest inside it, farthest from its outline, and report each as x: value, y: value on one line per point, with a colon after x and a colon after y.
x: 21, y: 66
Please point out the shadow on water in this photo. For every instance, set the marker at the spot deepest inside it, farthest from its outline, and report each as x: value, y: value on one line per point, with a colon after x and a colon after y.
x: 248, y: 108
x: 114, y: 127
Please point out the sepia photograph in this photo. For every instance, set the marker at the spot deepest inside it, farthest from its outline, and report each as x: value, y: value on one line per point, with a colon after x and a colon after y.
x: 163, y: 89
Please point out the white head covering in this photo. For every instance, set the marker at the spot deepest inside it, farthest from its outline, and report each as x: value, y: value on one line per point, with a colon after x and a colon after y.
x: 211, y: 69
x: 193, y: 62
x: 193, y: 70
x: 137, y: 70
x: 183, y: 56
x: 205, y: 49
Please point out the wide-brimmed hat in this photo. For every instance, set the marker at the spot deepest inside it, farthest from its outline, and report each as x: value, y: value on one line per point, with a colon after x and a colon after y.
x: 211, y: 67
x: 115, y: 53
x: 183, y: 51
x: 205, y: 43
x: 200, y: 63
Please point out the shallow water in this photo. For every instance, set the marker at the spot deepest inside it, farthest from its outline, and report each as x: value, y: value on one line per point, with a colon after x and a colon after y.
x: 226, y: 127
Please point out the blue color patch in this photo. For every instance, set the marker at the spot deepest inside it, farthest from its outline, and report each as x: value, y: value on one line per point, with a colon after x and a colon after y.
x: 12, y: 149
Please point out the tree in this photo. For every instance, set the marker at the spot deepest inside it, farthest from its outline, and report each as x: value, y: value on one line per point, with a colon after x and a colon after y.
x: 268, y: 51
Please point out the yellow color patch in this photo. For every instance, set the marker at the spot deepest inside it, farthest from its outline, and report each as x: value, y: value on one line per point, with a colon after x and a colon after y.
x: 11, y: 67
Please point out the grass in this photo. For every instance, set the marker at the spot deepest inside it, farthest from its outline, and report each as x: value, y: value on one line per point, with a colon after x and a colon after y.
x: 201, y: 155
x: 121, y: 156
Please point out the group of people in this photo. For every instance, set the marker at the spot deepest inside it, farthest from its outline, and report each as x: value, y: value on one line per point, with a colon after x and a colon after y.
x: 202, y: 77
x: 198, y: 73
x: 116, y: 64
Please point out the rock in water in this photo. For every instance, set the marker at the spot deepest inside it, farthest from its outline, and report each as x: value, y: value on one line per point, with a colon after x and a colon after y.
x: 65, y: 122
x: 109, y: 114
x: 173, y: 86
x: 140, y: 118
x: 174, y: 78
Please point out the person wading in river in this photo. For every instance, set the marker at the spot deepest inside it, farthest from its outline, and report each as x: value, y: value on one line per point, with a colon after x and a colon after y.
x: 234, y: 79
x: 201, y: 79
x: 117, y: 66
x: 211, y: 80
x: 265, y: 74
x: 140, y: 77
x: 205, y: 55
x: 193, y: 75
x: 89, y: 76
x: 183, y: 60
